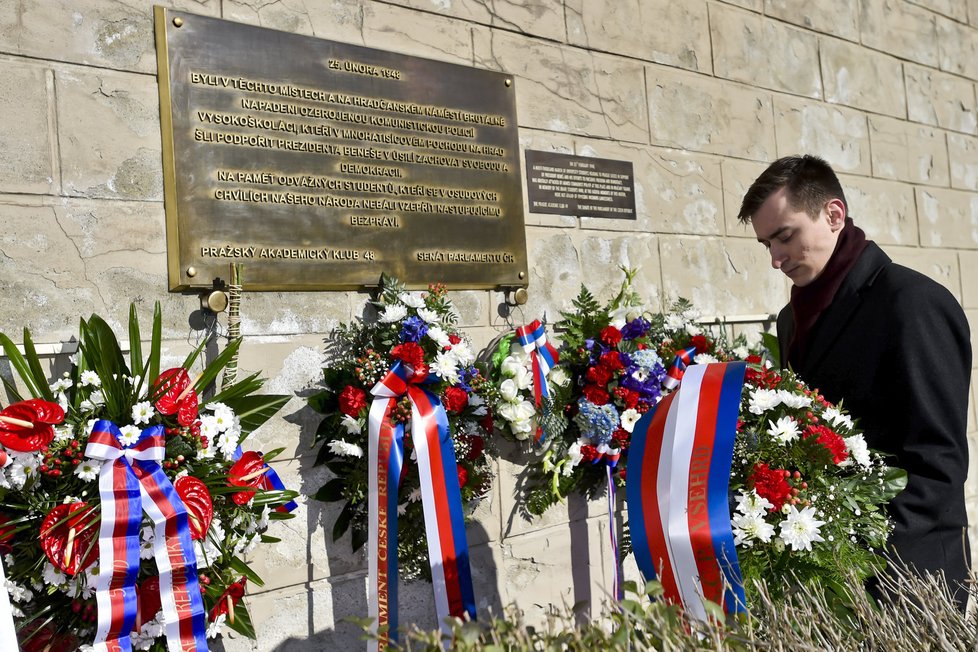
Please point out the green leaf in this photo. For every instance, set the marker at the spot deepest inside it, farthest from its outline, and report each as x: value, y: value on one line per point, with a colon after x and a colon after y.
x: 770, y: 342
x: 322, y: 402
x: 242, y: 621
x: 135, y: 345
x: 254, y: 411
x: 343, y: 521
x: 18, y: 362
x: 210, y: 373
x: 894, y: 481
x: 243, y: 568
x: 39, y: 376
x: 155, y: 345
x: 331, y: 491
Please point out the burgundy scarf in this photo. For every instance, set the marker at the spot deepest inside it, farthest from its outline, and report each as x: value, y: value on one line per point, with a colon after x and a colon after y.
x: 809, y: 302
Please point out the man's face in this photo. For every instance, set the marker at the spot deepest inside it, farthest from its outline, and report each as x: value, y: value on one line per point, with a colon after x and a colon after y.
x: 799, y: 245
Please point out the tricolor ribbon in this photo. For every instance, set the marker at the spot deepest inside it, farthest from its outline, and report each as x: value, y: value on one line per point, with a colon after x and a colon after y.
x: 678, y: 478
x: 8, y: 634
x: 533, y: 339
x: 684, y: 357
x: 441, y: 496
x: 130, y: 481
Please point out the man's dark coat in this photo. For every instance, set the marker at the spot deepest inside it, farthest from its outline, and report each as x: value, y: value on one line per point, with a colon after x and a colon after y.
x: 895, y: 345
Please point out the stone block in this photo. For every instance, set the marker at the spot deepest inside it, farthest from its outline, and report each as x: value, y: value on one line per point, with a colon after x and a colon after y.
x: 544, y: 141
x: 948, y: 218
x: 27, y: 140
x: 908, y: 152
x: 968, y: 261
x: 737, y: 179
x: 972, y: 316
x: 839, y: 135
x: 745, y: 44
x: 543, y: 18
x: 885, y: 210
x: 753, y: 5
x: 564, y: 89
x: 958, y: 47
x: 963, y: 154
x: 92, y: 104
x: 709, y: 115
x: 839, y: 20
x: 942, y: 266
x: 939, y: 99
x: 950, y: 8
x: 675, y: 191
x: 721, y: 276
x: 973, y: 12
x: 555, y: 274
x: 115, y: 35
x: 602, y: 255
x: 862, y: 79
x: 674, y: 34
x: 899, y: 28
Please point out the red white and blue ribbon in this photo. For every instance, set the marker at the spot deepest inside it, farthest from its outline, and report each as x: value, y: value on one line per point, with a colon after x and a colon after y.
x: 8, y: 634
x: 130, y: 481
x: 610, y: 457
x: 684, y: 358
x: 678, y: 477
x: 533, y: 339
x: 441, y: 497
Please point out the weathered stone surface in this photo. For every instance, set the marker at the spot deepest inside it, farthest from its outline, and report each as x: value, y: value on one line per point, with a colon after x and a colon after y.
x: 958, y: 47
x: 950, y: 8
x: 745, y: 45
x: 839, y: 135
x: 555, y: 275
x: 537, y: 17
x: 908, y: 152
x: 973, y: 12
x: 28, y: 162
x: 675, y: 191
x: 969, y: 281
x: 419, y: 34
x: 90, y: 105
x: 942, y: 266
x: 948, y: 218
x: 564, y: 89
x: 671, y: 33
x: 899, y: 28
x: 93, y: 32
x: 707, y: 115
x: 839, y: 19
x: 737, y: 178
x: 885, y: 210
x: 603, y: 256
x: 544, y: 141
x: 725, y: 277
x: 862, y: 79
x: 936, y: 98
x: 753, y: 5
x: 963, y: 153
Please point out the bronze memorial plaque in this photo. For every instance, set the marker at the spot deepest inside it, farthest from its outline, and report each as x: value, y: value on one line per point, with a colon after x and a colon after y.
x: 319, y: 165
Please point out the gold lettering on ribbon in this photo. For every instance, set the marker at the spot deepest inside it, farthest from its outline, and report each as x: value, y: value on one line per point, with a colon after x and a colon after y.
x: 383, y: 467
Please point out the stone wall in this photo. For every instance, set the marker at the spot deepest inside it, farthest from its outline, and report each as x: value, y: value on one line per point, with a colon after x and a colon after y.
x: 699, y: 95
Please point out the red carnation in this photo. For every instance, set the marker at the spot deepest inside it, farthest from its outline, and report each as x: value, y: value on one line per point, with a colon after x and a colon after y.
x: 610, y: 336
x: 701, y: 343
x: 588, y: 453
x: 832, y: 442
x: 628, y: 397
x: 463, y: 475
x: 611, y: 360
x: 454, y: 339
x: 487, y: 424
x: 476, y: 446
x: 771, y: 484
x: 410, y: 353
x: 352, y: 400
x: 455, y: 399
x: 597, y: 395
x: 599, y: 375
x: 620, y: 438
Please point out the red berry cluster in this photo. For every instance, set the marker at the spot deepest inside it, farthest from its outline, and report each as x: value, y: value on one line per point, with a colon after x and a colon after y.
x: 85, y: 610
x: 56, y: 463
x: 401, y: 412
x: 369, y: 367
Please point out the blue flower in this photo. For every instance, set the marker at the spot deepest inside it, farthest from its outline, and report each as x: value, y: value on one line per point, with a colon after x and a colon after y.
x: 596, y: 422
x: 413, y: 329
x: 635, y: 328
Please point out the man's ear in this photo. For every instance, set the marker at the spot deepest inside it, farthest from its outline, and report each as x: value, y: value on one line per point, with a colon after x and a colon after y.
x: 836, y: 212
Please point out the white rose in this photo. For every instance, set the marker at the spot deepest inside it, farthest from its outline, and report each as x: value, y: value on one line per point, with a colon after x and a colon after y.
x: 508, y: 390
x: 509, y: 411
x: 510, y: 366
x: 559, y: 376
x: 523, y: 378
x: 526, y: 410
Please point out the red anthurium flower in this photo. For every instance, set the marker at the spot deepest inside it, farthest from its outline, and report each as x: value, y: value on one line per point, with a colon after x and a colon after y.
x: 148, y: 601
x: 176, y: 395
x: 27, y: 426
x: 247, y: 472
x: 197, y: 500
x: 69, y: 534
x: 231, y: 597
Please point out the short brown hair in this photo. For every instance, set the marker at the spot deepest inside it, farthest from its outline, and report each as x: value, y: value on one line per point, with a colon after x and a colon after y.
x: 808, y: 180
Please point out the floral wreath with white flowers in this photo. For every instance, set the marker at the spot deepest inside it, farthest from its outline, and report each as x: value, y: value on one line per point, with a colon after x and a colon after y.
x: 419, y: 329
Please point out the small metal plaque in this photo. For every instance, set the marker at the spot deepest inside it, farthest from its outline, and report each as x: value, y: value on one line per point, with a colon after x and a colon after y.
x: 319, y: 165
x: 561, y: 184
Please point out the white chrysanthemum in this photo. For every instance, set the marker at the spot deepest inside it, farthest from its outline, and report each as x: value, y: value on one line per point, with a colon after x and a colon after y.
x: 693, y: 329
x: 750, y: 503
x: 793, y: 400
x: 674, y: 322
x: 559, y: 376
x: 445, y: 367
x: 858, y: 451
x: 129, y: 435
x: 439, y: 336
x: 88, y: 470
x: 430, y: 316
x: 785, y: 430
x: 63, y: 433
x: 351, y: 425
x: 97, y: 397
x: 147, y: 635
x: 60, y: 385
x: 142, y: 412
x: 837, y: 419
x: 463, y: 353
x: 762, y: 400
x: 741, y: 352
x: 629, y: 418
x: 86, y: 406
x: 704, y: 358
x: 208, y: 426
x: 227, y: 444
x: 508, y: 390
x: 209, y: 550
x: 221, y: 411
x: 748, y: 528
x: 146, y: 538
x: 393, y: 313
x: 415, y: 495
x: 216, y: 627
x: 52, y: 576
x: 411, y: 299
x: 90, y: 378
x: 801, y: 529
x: 23, y: 468
x: 345, y: 448
x: 19, y: 593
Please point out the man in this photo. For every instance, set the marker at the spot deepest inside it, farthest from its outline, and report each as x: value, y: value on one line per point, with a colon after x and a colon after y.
x: 890, y: 341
